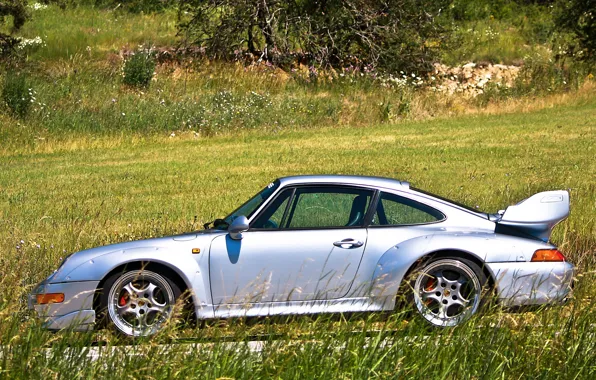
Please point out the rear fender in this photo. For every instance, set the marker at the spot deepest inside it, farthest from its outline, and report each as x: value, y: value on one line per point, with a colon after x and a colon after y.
x: 395, y: 263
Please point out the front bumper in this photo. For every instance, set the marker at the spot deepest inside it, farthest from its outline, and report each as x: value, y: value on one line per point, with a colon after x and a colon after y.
x: 76, y: 312
x: 532, y: 283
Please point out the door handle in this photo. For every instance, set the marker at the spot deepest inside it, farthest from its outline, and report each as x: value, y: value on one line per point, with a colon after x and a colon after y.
x: 348, y: 243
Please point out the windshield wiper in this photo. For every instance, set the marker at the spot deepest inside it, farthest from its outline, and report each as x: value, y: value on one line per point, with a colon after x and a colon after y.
x: 216, y: 223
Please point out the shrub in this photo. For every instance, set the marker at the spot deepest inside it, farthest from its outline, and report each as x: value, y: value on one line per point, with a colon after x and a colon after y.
x: 579, y: 17
x: 16, y: 94
x: 16, y: 11
x: 139, y: 68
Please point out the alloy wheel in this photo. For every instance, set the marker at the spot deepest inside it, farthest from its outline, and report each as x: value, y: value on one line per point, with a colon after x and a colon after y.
x: 140, y: 302
x: 447, y: 292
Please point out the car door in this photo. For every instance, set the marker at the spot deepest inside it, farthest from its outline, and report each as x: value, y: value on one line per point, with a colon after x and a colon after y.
x: 306, y: 244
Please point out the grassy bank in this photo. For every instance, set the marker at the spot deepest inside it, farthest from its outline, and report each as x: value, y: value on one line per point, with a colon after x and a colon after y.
x: 59, y: 199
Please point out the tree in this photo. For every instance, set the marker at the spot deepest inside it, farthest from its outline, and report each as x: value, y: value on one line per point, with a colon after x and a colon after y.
x: 390, y: 35
x: 16, y: 9
x: 224, y: 26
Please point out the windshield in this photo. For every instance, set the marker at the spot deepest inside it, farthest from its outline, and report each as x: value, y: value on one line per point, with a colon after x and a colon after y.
x: 248, y: 208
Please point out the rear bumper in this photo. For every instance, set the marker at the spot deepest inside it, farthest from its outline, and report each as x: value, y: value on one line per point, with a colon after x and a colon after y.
x: 76, y: 312
x: 532, y: 283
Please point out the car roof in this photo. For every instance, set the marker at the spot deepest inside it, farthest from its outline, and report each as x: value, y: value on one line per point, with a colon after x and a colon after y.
x: 346, y: 180
x: 377, y: 182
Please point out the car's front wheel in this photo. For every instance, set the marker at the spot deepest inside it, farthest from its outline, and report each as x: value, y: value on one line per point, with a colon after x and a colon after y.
x: 138, y: 302
x: 448, y: 291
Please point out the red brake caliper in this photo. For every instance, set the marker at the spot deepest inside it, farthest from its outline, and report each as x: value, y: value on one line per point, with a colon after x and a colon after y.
x: 430, y: 284
x: 122, y: 301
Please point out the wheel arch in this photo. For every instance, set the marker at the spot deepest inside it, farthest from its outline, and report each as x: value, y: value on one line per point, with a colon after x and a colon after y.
x: 158, y: 267
x: 455, y: 253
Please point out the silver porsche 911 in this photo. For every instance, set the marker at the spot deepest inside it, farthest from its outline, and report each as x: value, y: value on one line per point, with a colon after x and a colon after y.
x: 315, y: 244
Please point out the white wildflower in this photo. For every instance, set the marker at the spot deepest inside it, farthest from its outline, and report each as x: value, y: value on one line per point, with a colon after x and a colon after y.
x: 33, y: 42
x: 38, y: 6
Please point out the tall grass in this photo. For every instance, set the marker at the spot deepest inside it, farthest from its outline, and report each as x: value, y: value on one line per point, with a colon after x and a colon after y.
x: 61, y: 197
x: 546, y: 344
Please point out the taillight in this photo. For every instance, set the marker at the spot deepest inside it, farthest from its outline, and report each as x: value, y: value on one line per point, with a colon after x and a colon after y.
x: 548, y: 255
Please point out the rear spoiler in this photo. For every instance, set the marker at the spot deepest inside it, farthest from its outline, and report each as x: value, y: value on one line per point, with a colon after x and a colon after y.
x: 536, y: 216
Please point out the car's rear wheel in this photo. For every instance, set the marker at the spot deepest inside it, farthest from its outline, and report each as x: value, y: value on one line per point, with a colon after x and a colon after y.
x: 138, y: 302
x: 448, y: 291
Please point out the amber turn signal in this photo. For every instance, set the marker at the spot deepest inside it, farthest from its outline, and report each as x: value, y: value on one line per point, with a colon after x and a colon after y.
x: 548, y: 255
x: 43, y: 299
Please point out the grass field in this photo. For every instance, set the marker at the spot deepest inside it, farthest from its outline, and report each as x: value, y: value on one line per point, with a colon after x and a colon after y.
x: 97, y: 162
x: 64, y: 196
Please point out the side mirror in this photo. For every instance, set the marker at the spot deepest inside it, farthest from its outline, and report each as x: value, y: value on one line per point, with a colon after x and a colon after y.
x: 238, y: 226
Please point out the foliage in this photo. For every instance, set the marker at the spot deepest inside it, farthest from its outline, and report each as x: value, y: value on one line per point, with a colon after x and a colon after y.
x: 579, y: 17
x: 471, y: 10
x: 15, y: 9
x: 391, y: 35
x: 16, y: 94
x: 139, y: 68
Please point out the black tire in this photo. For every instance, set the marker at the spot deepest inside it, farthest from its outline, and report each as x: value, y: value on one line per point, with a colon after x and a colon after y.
x: 447, y: 291
x: 137, y: 302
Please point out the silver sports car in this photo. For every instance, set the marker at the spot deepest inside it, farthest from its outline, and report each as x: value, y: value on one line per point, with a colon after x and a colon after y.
x: 314, y: 244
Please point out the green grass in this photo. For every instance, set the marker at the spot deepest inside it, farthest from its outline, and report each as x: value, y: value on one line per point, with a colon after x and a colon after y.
x: 95, y: 33
x: 503, y: 32
x: 93, y: 163
x: 64, y: 196
x: 488, y: 41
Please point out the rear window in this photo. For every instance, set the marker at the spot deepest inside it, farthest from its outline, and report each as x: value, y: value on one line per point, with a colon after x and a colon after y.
x: 467, y: 208
x: 393, y: 210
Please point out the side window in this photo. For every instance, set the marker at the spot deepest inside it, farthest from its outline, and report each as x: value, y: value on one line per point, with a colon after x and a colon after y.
x: 320, y: 207
x: 272, y: 216
x: 395, y: 210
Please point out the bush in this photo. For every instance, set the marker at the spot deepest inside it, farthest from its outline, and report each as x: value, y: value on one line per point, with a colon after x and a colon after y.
x: 579, y: 18
x: 139, y: 68
x: 15, y: 10
x: 16, y: 94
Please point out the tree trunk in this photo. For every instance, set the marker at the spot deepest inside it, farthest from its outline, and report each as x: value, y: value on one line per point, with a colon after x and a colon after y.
x: 265, y: 20
x: 251, y: 42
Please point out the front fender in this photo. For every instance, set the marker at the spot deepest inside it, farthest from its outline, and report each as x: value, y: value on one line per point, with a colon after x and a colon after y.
x: 184, y: 264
